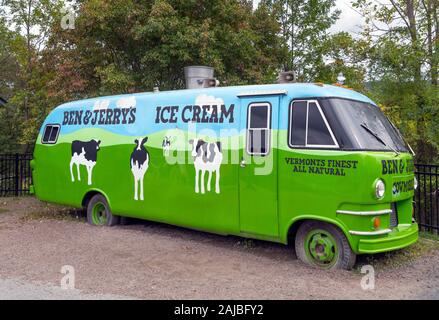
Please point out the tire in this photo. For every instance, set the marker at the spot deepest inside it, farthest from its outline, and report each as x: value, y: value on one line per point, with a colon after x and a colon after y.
x: 324, y: 246
x: 99, y: 213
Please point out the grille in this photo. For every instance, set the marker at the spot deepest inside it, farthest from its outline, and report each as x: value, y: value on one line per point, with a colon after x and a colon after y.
x: 394, y: 216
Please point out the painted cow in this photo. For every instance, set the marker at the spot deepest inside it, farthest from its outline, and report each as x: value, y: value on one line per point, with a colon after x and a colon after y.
x: 207, y: 157
x: 139, y: 166
x: 85, y: 154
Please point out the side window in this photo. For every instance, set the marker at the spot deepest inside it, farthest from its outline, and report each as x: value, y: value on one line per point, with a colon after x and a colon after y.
x: 50, y: 135
x: 298, y: 121
x: 259, y: 129
x: 308, y: 126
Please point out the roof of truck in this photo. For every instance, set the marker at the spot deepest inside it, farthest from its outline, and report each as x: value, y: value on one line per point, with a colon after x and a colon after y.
x: 293, y: 90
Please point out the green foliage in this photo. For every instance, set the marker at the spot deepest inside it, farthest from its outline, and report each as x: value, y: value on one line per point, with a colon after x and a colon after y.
x: 402, y: 68
x: 304, y: 30
x: 31, y: 22
x: 125, y: 46
x: 344, y: 55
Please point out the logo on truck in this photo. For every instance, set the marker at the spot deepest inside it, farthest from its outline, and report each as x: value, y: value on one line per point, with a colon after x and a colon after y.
x: 102, y: 114
x: 196, y: 114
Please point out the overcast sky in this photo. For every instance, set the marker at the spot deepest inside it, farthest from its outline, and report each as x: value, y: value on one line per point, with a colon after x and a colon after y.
x: 349, y: 21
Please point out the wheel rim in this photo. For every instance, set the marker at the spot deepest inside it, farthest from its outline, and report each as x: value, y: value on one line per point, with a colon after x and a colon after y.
x: 321, y: 248
x: 99, y: 214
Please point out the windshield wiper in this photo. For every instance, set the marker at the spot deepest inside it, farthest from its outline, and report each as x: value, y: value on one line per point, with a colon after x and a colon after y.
x: 403, y: 139
x: 376, y: 136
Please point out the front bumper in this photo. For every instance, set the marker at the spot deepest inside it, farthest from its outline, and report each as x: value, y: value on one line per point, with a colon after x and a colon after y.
x: 400, y: 237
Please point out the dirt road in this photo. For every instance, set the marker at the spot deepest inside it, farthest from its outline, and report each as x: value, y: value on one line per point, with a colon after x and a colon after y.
x: 155, y: 261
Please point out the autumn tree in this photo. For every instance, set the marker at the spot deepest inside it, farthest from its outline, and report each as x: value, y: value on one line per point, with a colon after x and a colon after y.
x: 121, y: 46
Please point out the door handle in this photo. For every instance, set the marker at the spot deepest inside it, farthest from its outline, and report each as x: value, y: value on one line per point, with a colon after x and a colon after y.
x: 243, y: 163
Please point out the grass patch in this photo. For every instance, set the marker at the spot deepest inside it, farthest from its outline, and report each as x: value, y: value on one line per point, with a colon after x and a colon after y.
x: 429, y: 236
x: 63, y: 215
x: 3, y: 210
x: 427, y: 244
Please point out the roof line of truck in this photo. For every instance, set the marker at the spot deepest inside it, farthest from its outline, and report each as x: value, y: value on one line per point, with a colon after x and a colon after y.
x: 300, y: 90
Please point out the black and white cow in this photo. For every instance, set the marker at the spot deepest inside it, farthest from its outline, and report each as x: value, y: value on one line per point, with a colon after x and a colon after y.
x: 166, y: 145
x: 207, y: 157
x: 139, y: 166
x: 86, y: 154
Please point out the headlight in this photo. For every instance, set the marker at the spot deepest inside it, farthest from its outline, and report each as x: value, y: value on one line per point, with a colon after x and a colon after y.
x: 416, y: 183
x: 380, y: 189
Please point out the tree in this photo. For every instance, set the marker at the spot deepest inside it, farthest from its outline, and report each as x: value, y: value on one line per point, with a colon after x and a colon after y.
x: 9, y: 67
x: 32, y: 21
x: 304, y: 29
x: 123, y: 46
x: 403, y: 66
x: 344, y: 54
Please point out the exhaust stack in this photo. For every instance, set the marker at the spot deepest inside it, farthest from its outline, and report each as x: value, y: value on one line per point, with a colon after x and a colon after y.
x: 286, y: 77
x: 198, y: 77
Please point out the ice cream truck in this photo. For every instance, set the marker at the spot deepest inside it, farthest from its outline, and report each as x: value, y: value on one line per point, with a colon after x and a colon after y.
x: 316, y: 166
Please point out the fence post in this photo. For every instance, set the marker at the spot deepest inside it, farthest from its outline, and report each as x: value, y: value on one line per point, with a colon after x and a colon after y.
x: 16, y: 175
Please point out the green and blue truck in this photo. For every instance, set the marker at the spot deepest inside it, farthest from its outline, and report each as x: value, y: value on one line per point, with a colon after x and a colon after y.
x: 316, y: 165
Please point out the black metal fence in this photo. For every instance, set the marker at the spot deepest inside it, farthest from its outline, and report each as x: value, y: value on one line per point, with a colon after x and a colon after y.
x: 15, y: 174
x: 427, y: 197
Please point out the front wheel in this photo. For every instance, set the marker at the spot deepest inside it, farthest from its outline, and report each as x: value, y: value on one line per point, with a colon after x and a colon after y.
x: 99, y: 213
x: 323, y: 245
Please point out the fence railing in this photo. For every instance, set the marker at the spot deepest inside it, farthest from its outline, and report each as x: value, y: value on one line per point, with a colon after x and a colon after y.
x: 15, y: 174
x: 427, y: 197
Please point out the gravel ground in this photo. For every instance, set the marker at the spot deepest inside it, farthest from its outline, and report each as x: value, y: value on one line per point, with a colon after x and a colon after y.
x: 22, y: 290
x: 154, y: 261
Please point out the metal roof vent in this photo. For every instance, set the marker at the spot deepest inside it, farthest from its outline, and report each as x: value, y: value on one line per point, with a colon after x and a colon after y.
x: 200, y: 77
x: 286, y: 77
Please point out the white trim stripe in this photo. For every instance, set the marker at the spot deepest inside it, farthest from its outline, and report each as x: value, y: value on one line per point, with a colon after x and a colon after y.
x: 365, y: 213
x: 370, y: 233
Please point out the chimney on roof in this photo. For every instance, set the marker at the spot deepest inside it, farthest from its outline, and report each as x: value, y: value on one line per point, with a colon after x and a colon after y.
x: 286, y: 77
x: 198, y: 77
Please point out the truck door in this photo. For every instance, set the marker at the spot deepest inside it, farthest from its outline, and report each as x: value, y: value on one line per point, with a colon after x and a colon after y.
x: 258, y: 165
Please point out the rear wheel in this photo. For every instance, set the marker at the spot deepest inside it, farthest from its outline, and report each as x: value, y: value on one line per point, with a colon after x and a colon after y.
x: 324, y: 246
x: 99, y: 213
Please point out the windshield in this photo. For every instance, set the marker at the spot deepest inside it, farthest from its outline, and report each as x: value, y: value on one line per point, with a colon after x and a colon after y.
x: 365, y: 126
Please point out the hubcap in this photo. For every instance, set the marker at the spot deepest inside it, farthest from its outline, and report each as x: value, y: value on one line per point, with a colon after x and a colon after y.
x: 99, y: 214
x: 321, y: 248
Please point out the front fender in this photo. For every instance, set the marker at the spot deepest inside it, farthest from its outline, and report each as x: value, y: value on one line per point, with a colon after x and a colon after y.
x: 334, y: 222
